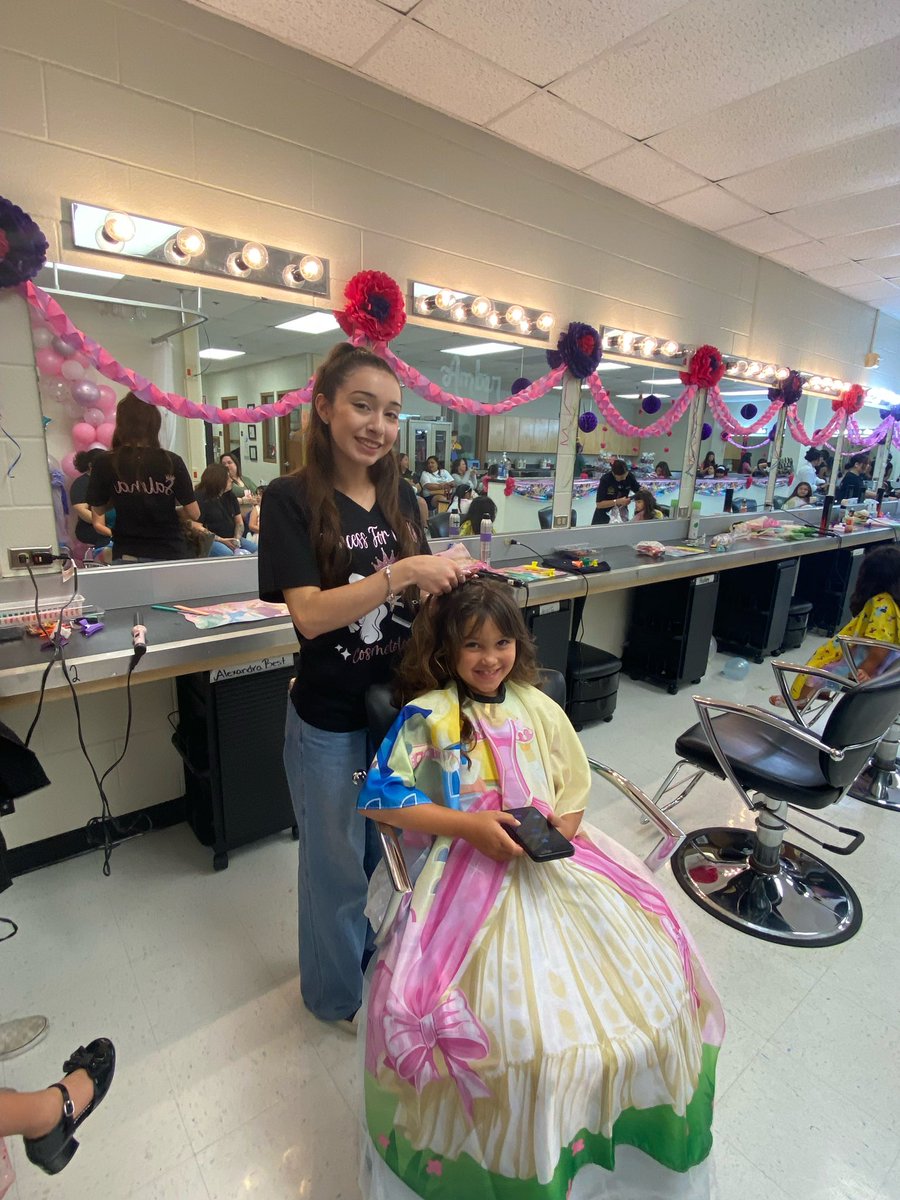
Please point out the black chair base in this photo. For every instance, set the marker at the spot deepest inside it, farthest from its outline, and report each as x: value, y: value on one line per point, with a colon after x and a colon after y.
x: 879, y: 786
x: 805, y: 904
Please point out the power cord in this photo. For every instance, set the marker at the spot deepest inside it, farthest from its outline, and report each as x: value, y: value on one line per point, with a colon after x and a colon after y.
x: 106, y: 823
x: 511, y: 541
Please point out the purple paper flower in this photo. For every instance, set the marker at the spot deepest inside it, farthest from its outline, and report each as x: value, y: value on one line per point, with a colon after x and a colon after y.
x: 520, y: 385
x: 789, y: 390
x: 651, y: 404
x: 23, y: 248
x: 579, y: 349
x: 588, y: 422
x: 749, y: 411
x: 706, y: 431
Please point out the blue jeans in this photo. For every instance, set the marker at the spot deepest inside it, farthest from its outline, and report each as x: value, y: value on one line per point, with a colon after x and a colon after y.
x: 339, y: 850
x: 220, y: 550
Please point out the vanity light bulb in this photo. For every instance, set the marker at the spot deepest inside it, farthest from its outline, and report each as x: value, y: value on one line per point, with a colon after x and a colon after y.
x: 816, y: 383
x: 754, y: 369
x: 175, y: 256
x: 492, y: 319
x: 767, y: 372
x: 782, y: 373
x: 669, y: 349
x: 236, y: 266
x: 444, y: 299
x: 118, y: 228
x: 515, y: 314
x: 741, y: 366
x: 627, y: 342
x: 311, y: 268
x: 481, y: 306
x: 255, y: 256
x: 190, y: 241
x: 459, y: 312
x: 423, y: 306
x: 648, y: 346
x: 525, y: 326
x: 545, y: 322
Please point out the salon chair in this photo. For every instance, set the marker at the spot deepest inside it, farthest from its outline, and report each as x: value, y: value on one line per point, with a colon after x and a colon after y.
x: 439, y: 525
x: 381, y: 713
x: 545, y: 518
x: 753, y: 879
x: 879, y: 781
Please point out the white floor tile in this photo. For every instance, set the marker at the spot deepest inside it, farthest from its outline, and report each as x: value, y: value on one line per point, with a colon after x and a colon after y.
x: 181, y: 1182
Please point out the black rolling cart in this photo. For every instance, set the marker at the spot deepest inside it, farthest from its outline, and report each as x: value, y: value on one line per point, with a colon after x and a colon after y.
x: 670, y: 631
x: 827, y: 582
x: 753, y: 606
x: 230, y: 736
x: 550, y: 626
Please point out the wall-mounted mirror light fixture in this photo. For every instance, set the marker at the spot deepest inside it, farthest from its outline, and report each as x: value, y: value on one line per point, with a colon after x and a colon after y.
x: 457, y: 307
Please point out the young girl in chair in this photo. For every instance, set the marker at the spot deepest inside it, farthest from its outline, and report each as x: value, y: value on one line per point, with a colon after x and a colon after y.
x: 537, y: 1030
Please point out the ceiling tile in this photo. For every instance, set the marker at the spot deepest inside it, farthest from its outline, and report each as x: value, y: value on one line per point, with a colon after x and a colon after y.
x: 850, y: 214
x: 855, y: 166
x: 762, y: 235
x: 808, y: 256
x: 644, y: 173
x: 877, y: 243
x: 710, y: 208
x: 400, y: 5
x: 830, y: 104
x: 873, y: 293
x: 436, y: 72
x: 331, y: 29
x: 540, y: 41
x: 549, y: 127
x: 643, y: 87
x: 888, y: 268
x: 843, y: 275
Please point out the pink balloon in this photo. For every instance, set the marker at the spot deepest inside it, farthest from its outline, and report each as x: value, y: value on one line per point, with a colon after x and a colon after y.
x: 68, y: 466
x: 48, y: 361
x: 70, y: 369
x: 94, y: 416
x: 85, y: 393
x: 105, y: 433
x: 82, y: 358
x: 108, y: 399
x: 41, y: 337
x: 83, y: 435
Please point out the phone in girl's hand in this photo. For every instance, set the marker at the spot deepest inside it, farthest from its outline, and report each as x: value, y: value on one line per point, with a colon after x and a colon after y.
x: 539, y: 839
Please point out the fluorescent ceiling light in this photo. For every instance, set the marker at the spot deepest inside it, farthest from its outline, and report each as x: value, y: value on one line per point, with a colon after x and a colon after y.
x: 84, y: 270
x: 314, y: 322
x: 213, y: 352
x: 614, y: 366
x: 640, y: 395
x: 481, y: 348
x: 662, y: 382
x: 729, y: 392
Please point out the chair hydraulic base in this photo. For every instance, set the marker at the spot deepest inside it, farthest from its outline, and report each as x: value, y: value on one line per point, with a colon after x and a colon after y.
x: 20, y: 1034
x: 879, y: 782
x: 799, y: 901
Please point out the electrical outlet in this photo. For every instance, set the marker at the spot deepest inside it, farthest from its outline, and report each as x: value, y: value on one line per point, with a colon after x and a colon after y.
x: 560, y: 522
x: 31, y: 556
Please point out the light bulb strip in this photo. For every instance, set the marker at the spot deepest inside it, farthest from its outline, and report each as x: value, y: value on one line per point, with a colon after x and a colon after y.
x: 646, y: 346
x: 463, y: 309
x: 768, y: 375
x: 191, y: 248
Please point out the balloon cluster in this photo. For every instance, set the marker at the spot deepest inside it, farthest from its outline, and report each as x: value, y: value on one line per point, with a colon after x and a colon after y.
x: 66, y: 380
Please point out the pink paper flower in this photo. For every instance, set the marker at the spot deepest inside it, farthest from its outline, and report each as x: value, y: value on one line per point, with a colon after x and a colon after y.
x: 578, y: 1145
x: 434, y: 1167
x: 383, y: 1141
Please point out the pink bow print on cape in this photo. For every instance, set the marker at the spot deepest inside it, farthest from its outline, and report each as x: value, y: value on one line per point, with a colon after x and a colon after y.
x: 452, y: 1029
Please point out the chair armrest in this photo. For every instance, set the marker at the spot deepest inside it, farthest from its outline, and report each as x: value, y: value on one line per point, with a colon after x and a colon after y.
x: 672, y: 835
x: 393, y: 857
x: 848, y: 644
x: 781, y: 668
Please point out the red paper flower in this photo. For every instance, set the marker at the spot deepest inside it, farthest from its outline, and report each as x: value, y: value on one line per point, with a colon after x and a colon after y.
x: 850, y: 401
x: 705, y: 368
x: 374, y: 307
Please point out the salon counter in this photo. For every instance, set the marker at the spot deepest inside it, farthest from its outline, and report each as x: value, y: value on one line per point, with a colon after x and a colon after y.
x: 176, y: 647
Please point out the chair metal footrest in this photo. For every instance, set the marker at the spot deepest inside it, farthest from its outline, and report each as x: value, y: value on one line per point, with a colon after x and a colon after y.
x: 806, y: 903
x: 875, y: 785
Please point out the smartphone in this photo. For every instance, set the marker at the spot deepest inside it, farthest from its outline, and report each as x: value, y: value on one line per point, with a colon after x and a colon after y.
x: 537, y: 837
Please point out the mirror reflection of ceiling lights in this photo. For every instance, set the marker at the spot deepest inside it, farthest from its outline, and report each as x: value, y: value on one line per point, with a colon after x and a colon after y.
x: 131, y: 236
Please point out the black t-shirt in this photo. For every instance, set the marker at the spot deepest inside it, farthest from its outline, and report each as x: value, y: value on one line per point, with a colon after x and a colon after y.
x: 144, y: 486
x: 852, y: 487
x: 610, y: 488
x: 84, y: 530
x: 219, y: 514
x: 336, y: 668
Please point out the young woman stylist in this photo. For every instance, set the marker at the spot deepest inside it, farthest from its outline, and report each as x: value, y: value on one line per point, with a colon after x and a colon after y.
x: 343, y: 546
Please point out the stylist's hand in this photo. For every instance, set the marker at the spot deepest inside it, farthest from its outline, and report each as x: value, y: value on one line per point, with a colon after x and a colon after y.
x: 484, y: 831
x: 623, y: 501
x: 431, y: 573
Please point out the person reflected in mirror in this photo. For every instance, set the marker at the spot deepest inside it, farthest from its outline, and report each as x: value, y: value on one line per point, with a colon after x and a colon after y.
x: 252, y: 519
x: 614, y: 490
x: 808, y: 471
x: 406, y: 473
x: 481, y: 507
x: 645, y: 507
x: 437, y: 483
x: 101, y: 535
x: 241, y: 485
x: 800, y: 496
x: 491, y: 476
x: 721, y: 472
x: 462, y: 499
x: 762, y: 467
x: 579, y: 467
x: 344, y: 550
x: 662, y: 471
x: 220, y: 513
x: 463, y: 473
x: 708, y: 466
x: 855, y: 484
x: 149, y: 488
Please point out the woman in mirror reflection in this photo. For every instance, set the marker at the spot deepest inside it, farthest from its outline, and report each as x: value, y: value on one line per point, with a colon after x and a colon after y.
x: 220, y: 514
x: 709, y: 465
x: 242, y: 486
x: 345, y: 550
x: 463, y: 473
x: 150, y: 488
x: 662, y: 471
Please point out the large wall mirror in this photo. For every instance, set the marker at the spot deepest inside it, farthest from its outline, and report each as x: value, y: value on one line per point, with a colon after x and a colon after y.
x: 233, y: 349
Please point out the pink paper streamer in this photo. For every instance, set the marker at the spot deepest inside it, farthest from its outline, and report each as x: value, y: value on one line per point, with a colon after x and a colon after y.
x: 659, y: 428
x: 727, y: 422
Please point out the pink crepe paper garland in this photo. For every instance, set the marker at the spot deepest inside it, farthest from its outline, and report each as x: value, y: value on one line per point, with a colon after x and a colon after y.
x: 662, y: 427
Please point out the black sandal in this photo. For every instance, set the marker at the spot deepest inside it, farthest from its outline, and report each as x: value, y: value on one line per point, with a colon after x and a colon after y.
x: 55, y: 1149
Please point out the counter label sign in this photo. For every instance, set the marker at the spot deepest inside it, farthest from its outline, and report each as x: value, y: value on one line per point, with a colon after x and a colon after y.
x: 254, y: 668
